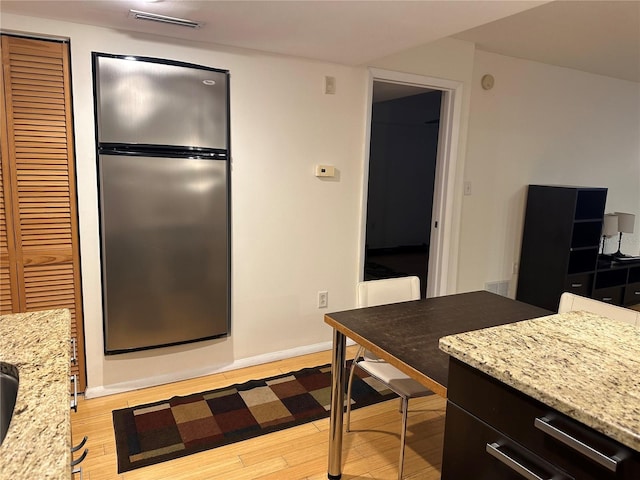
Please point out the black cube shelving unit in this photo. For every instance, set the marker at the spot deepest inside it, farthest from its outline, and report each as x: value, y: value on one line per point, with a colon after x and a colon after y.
x: 560, y: 243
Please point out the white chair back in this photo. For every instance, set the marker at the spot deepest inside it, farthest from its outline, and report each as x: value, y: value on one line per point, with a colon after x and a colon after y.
x: 571, y: 303
x: 388, y: 290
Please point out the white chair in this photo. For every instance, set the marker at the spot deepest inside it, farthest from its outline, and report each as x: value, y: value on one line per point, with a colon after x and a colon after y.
x: 570, y: 302
x: 381, y: 292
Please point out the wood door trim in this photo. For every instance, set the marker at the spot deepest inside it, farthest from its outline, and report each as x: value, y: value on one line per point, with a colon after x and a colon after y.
x: 11, y: 207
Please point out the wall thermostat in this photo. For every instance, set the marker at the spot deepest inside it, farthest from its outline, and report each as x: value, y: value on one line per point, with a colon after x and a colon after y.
x: 325, y: 171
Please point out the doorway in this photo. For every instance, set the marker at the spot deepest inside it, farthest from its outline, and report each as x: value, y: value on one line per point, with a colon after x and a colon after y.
x: 405, y: 123
x: 434, y: 259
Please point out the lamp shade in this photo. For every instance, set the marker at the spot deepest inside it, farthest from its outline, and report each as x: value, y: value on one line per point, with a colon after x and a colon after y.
x: 626, y: 222
x: 610, y: 225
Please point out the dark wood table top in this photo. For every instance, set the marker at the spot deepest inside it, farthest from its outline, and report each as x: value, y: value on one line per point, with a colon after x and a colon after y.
x: 406, y: 334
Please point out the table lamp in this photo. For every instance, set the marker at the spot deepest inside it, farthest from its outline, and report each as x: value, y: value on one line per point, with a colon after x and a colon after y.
x: 626, y: 222
x: 609, y: 227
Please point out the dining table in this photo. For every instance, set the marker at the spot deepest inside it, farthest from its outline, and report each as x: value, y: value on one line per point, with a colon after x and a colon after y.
x: 406, y: 335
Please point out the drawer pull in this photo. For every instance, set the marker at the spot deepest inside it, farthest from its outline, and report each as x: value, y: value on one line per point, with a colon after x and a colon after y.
x: 493, y: 449
x: 74, y: 400
x: 610, y: 463
x: 74, y: 358
x: 607, y: 299
x: 576, y: 285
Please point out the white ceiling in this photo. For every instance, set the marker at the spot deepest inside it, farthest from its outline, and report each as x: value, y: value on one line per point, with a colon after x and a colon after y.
x: 600, y: 37
x: 596, y: 36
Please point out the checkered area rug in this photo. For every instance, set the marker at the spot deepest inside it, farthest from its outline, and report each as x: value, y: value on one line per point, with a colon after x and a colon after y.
x: 161, y: 431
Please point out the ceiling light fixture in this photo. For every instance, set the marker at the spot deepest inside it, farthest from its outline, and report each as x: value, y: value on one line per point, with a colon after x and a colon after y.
x: 154, y: 17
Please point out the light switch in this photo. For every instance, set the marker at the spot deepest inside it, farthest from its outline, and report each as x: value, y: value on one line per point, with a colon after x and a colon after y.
x: 330, y: 85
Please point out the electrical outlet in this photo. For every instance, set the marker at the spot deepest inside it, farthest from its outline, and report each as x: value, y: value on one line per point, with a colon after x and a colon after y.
x: 323, y: 299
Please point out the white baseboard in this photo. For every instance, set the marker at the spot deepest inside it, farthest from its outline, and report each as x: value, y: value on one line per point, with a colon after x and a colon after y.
x: 101, y: 391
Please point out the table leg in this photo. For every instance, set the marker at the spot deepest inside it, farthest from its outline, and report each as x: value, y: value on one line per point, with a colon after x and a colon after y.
x: 338, y: 364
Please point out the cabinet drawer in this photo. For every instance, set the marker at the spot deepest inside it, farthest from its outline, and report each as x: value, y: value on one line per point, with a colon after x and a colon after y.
x: 579, y: 284
x: 471, y: 458
x: 632, y: 294
x: 514, y: 415
x: 611, y: 295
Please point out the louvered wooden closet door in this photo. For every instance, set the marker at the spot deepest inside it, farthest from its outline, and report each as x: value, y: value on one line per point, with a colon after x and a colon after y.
x: 39, y: 179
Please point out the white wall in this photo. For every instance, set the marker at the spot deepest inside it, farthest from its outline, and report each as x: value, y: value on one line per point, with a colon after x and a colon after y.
x: 293, y: 234
x: 546, y: 125
x: 540, y: 124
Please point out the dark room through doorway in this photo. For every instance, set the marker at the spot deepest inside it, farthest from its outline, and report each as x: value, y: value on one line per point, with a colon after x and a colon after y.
x: 405, y: 122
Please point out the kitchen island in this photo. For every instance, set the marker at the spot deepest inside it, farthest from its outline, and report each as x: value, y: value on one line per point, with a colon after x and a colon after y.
x: 513, y: 387
x: 38, y: 441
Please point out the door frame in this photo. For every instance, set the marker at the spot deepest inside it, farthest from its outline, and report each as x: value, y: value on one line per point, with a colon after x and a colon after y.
x: 443, y: 259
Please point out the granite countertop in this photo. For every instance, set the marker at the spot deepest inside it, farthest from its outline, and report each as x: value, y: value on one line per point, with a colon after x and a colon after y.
x: 583, y: 365
x: 38, y: 441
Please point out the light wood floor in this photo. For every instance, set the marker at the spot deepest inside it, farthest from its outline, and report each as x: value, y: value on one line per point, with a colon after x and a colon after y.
x: 369, y: 451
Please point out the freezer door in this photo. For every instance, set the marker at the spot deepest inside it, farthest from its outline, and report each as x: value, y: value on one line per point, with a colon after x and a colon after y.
x: 164, y: 233
x: 141, y: 102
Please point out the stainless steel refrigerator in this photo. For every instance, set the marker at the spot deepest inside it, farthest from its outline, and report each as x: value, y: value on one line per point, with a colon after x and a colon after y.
x: 163, y: 163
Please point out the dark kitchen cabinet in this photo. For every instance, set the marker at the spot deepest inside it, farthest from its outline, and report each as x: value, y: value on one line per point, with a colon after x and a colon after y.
x: 474, y: 458
x: 560, y: 243
x: 493, y: 431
